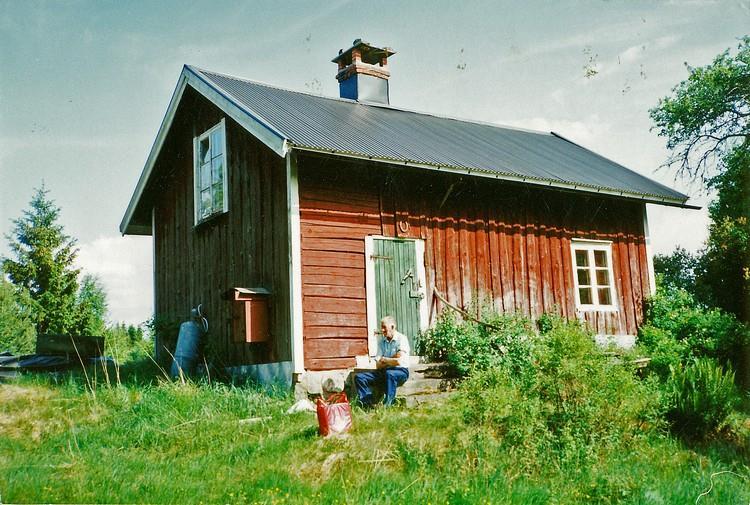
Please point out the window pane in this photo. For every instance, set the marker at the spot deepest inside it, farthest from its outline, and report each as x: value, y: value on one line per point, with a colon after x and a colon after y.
x: 217, y: 142
x: 205, y: 181
x: 585, y: 295
x: 602, y: 277
x: 600, y: 258
x: 218, y: 193
x: 605, y: 297
x: 204, y: 153
x: 582, y: 258
x: 217, y: 169
x: 584, y: 278
x: 205, y: 203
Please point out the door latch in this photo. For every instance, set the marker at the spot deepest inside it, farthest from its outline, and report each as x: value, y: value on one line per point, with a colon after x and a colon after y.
x: 407, y: 275
x: 415, y: 290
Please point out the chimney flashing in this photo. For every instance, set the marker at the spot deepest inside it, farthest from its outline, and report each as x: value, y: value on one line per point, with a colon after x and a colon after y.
x: 362, y: 68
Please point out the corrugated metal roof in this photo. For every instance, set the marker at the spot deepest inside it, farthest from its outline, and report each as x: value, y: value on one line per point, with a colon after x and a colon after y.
x: 388, y: 133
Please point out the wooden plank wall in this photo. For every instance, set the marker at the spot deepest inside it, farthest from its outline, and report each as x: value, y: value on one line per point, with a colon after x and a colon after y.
x: 245, y: 247
x: 486, y: 241
x: 333, y: 226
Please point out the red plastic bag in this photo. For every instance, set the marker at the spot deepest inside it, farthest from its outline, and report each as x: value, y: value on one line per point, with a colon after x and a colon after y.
x: 334, y: 415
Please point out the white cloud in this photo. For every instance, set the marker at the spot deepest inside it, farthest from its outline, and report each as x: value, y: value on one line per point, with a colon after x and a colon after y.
x: 665, y: 41
x: 558, y: 96
x: 589, y: 132
x: 631, y: 54
x: 639, y: 51
x: 124, y: 267
x: 547, y: 46
x: 671, y: 227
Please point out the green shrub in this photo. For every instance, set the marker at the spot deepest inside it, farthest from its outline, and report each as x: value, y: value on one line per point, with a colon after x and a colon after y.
x: 492, y: 400
x: 701, y: 395
x: 547, y: 322
x: 678, y: 330
x: 572, y: 403
x: 587, y: 394
x: 500, y: 340
x: 126, y: 343
x: 664, y: 350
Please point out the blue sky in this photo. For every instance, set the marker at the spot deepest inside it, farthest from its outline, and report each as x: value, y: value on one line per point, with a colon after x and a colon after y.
x: 84, y: 86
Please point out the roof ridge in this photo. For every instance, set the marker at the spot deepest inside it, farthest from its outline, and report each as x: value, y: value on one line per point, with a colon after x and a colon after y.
x: 375, y: 104
x: 211, y: 78
x: 200, y: 73
x: 267, y: 85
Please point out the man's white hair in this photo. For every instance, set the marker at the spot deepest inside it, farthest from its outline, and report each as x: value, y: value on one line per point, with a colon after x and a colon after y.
x: 388, y: 321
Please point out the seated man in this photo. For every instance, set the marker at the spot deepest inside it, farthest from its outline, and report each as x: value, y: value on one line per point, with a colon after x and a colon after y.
x: 392, y: 363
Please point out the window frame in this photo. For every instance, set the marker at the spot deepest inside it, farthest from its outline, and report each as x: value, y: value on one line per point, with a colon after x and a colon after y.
x: 221, y: 125
x: 590, y: 246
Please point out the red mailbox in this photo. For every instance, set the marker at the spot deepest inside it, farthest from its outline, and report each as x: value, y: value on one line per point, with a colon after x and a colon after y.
x: 250, y: 315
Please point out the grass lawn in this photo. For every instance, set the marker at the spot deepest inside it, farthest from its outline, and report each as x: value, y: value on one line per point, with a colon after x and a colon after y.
x: 159, y: 442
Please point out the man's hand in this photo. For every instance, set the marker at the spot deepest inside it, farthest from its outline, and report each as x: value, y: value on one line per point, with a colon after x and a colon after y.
x: 386, y: 362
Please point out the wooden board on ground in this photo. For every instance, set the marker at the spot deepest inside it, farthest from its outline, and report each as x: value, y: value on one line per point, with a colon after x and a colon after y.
x: 69, y: 345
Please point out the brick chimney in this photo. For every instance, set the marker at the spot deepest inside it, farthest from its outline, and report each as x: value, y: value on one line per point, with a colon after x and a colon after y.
x: 363, y: 72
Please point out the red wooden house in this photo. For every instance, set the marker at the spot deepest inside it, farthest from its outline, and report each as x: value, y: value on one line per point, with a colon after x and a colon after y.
x: 297, y: 220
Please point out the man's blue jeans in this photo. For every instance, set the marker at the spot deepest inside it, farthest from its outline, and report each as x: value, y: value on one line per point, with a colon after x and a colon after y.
x: 388, y: 378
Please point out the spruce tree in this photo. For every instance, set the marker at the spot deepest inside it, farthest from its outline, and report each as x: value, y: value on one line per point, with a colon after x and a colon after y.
x: 43, y: 265
x: 16, y: 326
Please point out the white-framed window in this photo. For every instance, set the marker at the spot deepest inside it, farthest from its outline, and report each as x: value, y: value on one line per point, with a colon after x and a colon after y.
x: 593, y: 275
x: 210, y: 173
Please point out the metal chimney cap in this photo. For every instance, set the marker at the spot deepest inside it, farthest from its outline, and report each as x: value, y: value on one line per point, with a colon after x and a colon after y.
x: 370, y: 54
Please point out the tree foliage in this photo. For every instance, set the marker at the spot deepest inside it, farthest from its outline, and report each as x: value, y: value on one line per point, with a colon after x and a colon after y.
x: 91, y: 307
x: 707, y: 125
x: 678, y: 269
x: 725, y: 265
x: 126, y: 342
x: 708, y: 114
x: 44, y: 264
x: 677, y: 330
x: 44, y: 277
x: 17, y: 333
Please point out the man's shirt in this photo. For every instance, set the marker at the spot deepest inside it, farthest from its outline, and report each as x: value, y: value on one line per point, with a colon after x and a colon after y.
x: 389, y: 348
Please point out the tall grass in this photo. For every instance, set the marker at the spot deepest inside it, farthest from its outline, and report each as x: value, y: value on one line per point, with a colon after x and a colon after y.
x: 147, y: 440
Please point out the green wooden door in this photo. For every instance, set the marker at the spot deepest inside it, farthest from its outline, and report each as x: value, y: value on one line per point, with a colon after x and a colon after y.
x: 397, y: 286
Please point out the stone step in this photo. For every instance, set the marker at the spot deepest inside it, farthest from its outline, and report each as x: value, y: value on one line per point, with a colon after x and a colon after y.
x: 421, y: 385
x: 426, y: 367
